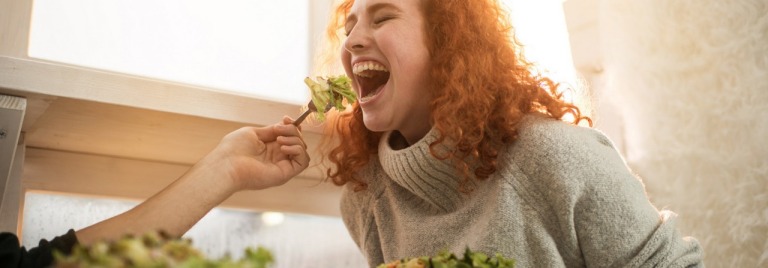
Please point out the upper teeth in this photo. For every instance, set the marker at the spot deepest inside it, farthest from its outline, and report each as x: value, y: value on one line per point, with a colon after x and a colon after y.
x: 361, y: 67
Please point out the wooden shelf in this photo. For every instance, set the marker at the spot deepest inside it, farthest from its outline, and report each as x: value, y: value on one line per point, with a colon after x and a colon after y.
x: 102, y: 133
x: 94, y: 175
x: 40, y: 77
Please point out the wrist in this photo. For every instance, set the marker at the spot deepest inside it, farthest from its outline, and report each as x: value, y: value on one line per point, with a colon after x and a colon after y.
x: 216, y: 176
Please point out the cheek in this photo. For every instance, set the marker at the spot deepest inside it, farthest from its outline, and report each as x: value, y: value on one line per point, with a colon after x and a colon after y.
x: 346, y: 63
x: 345, y: 59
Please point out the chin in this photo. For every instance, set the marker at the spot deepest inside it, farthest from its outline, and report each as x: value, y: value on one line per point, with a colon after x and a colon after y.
x: 375, y: 125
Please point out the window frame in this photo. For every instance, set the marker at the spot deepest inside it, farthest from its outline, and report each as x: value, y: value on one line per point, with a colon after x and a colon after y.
x: 57, y: 128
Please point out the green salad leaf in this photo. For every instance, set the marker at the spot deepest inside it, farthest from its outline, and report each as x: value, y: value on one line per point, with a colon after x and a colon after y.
x: 445, y: 259
x: 154, y: 250
x: 331, y: 90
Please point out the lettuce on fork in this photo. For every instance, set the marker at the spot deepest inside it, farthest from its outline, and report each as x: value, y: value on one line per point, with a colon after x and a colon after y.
x: 331, y: 90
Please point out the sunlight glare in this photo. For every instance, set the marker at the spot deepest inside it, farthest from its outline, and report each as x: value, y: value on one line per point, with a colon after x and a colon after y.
x: 541, y: 28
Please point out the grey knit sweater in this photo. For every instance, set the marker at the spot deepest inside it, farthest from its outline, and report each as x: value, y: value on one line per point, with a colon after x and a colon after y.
x: 562, y: 197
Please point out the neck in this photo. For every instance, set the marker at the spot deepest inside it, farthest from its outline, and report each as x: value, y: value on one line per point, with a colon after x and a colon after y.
x: 397, y: 141
x: 419, y: 172
x: 410, y: 135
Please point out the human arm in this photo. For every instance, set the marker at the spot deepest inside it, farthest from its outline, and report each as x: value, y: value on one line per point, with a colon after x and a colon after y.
x: 249, y: 158
x: 616, y: 224
x: 602, y: 212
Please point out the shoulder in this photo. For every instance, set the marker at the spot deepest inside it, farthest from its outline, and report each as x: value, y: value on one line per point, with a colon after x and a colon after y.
x: 356, y: 201
x: 542, y: 134
x: 558, y: 144
x: 357, y: 205
x: 556, y: 154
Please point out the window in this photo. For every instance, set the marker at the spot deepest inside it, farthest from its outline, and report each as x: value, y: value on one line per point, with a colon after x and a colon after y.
x: 295, y: 240
x: 540, y: 26
x: 260, y: 48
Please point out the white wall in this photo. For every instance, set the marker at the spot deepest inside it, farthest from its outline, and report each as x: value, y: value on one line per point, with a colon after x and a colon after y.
x: 689, y: 78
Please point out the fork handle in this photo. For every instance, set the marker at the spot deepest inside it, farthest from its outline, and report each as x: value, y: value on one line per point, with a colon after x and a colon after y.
x: 302, y: 117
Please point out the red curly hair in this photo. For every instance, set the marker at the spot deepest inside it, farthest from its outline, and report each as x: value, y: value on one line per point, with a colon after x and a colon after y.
x: 478, y: 69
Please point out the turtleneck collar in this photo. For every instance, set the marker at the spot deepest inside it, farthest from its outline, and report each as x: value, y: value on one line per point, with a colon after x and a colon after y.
x: 415, y: 169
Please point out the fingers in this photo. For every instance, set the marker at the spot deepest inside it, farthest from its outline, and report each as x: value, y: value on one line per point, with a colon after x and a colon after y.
x: 298, y: 156
x: 286, y: 135
x: 270, y: 133
x: 289, y: 121
x: 289, y: 130
x: 292, y: 140
x: 293, y: 151
x: 292, y: 145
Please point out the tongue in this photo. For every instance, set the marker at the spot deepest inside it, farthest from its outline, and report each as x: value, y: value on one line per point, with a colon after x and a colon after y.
x: 371, y: 84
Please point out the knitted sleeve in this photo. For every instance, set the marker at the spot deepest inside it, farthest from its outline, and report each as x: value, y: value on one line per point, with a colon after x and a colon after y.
x: 600, y: 206
x: 12, y: 254
x: 616, y: 224
x: 356, y: 212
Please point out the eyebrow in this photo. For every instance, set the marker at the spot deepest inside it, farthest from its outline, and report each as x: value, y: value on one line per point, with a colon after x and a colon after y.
x: 371, y: 9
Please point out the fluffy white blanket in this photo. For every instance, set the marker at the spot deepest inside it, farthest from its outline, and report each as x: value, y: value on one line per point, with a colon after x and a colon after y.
x: 691, y: 81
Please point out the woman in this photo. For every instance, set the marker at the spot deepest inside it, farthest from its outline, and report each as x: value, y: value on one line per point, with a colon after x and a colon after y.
x: 453, y: 143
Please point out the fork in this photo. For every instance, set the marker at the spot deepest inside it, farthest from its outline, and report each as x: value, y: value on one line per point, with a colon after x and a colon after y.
x: 310, y: 108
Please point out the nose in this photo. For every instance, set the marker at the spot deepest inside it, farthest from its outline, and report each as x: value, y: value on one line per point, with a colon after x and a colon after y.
x: 358, y: 39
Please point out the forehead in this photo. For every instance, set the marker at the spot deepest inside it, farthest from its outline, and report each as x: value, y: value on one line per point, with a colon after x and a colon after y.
x: 361, y: 6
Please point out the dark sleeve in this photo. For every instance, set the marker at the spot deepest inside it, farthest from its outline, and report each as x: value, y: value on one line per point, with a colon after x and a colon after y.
x: 12, y: 254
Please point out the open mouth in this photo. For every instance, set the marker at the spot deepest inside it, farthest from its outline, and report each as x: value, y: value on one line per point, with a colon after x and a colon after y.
x: 370, y: 76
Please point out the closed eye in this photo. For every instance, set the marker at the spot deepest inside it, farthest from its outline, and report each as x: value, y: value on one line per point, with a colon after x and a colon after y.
x: 382, y: 12
x: 382, y: 20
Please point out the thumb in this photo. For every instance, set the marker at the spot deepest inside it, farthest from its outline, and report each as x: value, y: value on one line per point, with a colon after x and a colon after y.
x: 266, y: 134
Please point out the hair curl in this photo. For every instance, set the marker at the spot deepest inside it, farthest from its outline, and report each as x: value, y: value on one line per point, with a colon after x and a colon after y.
x: 478, y: 69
